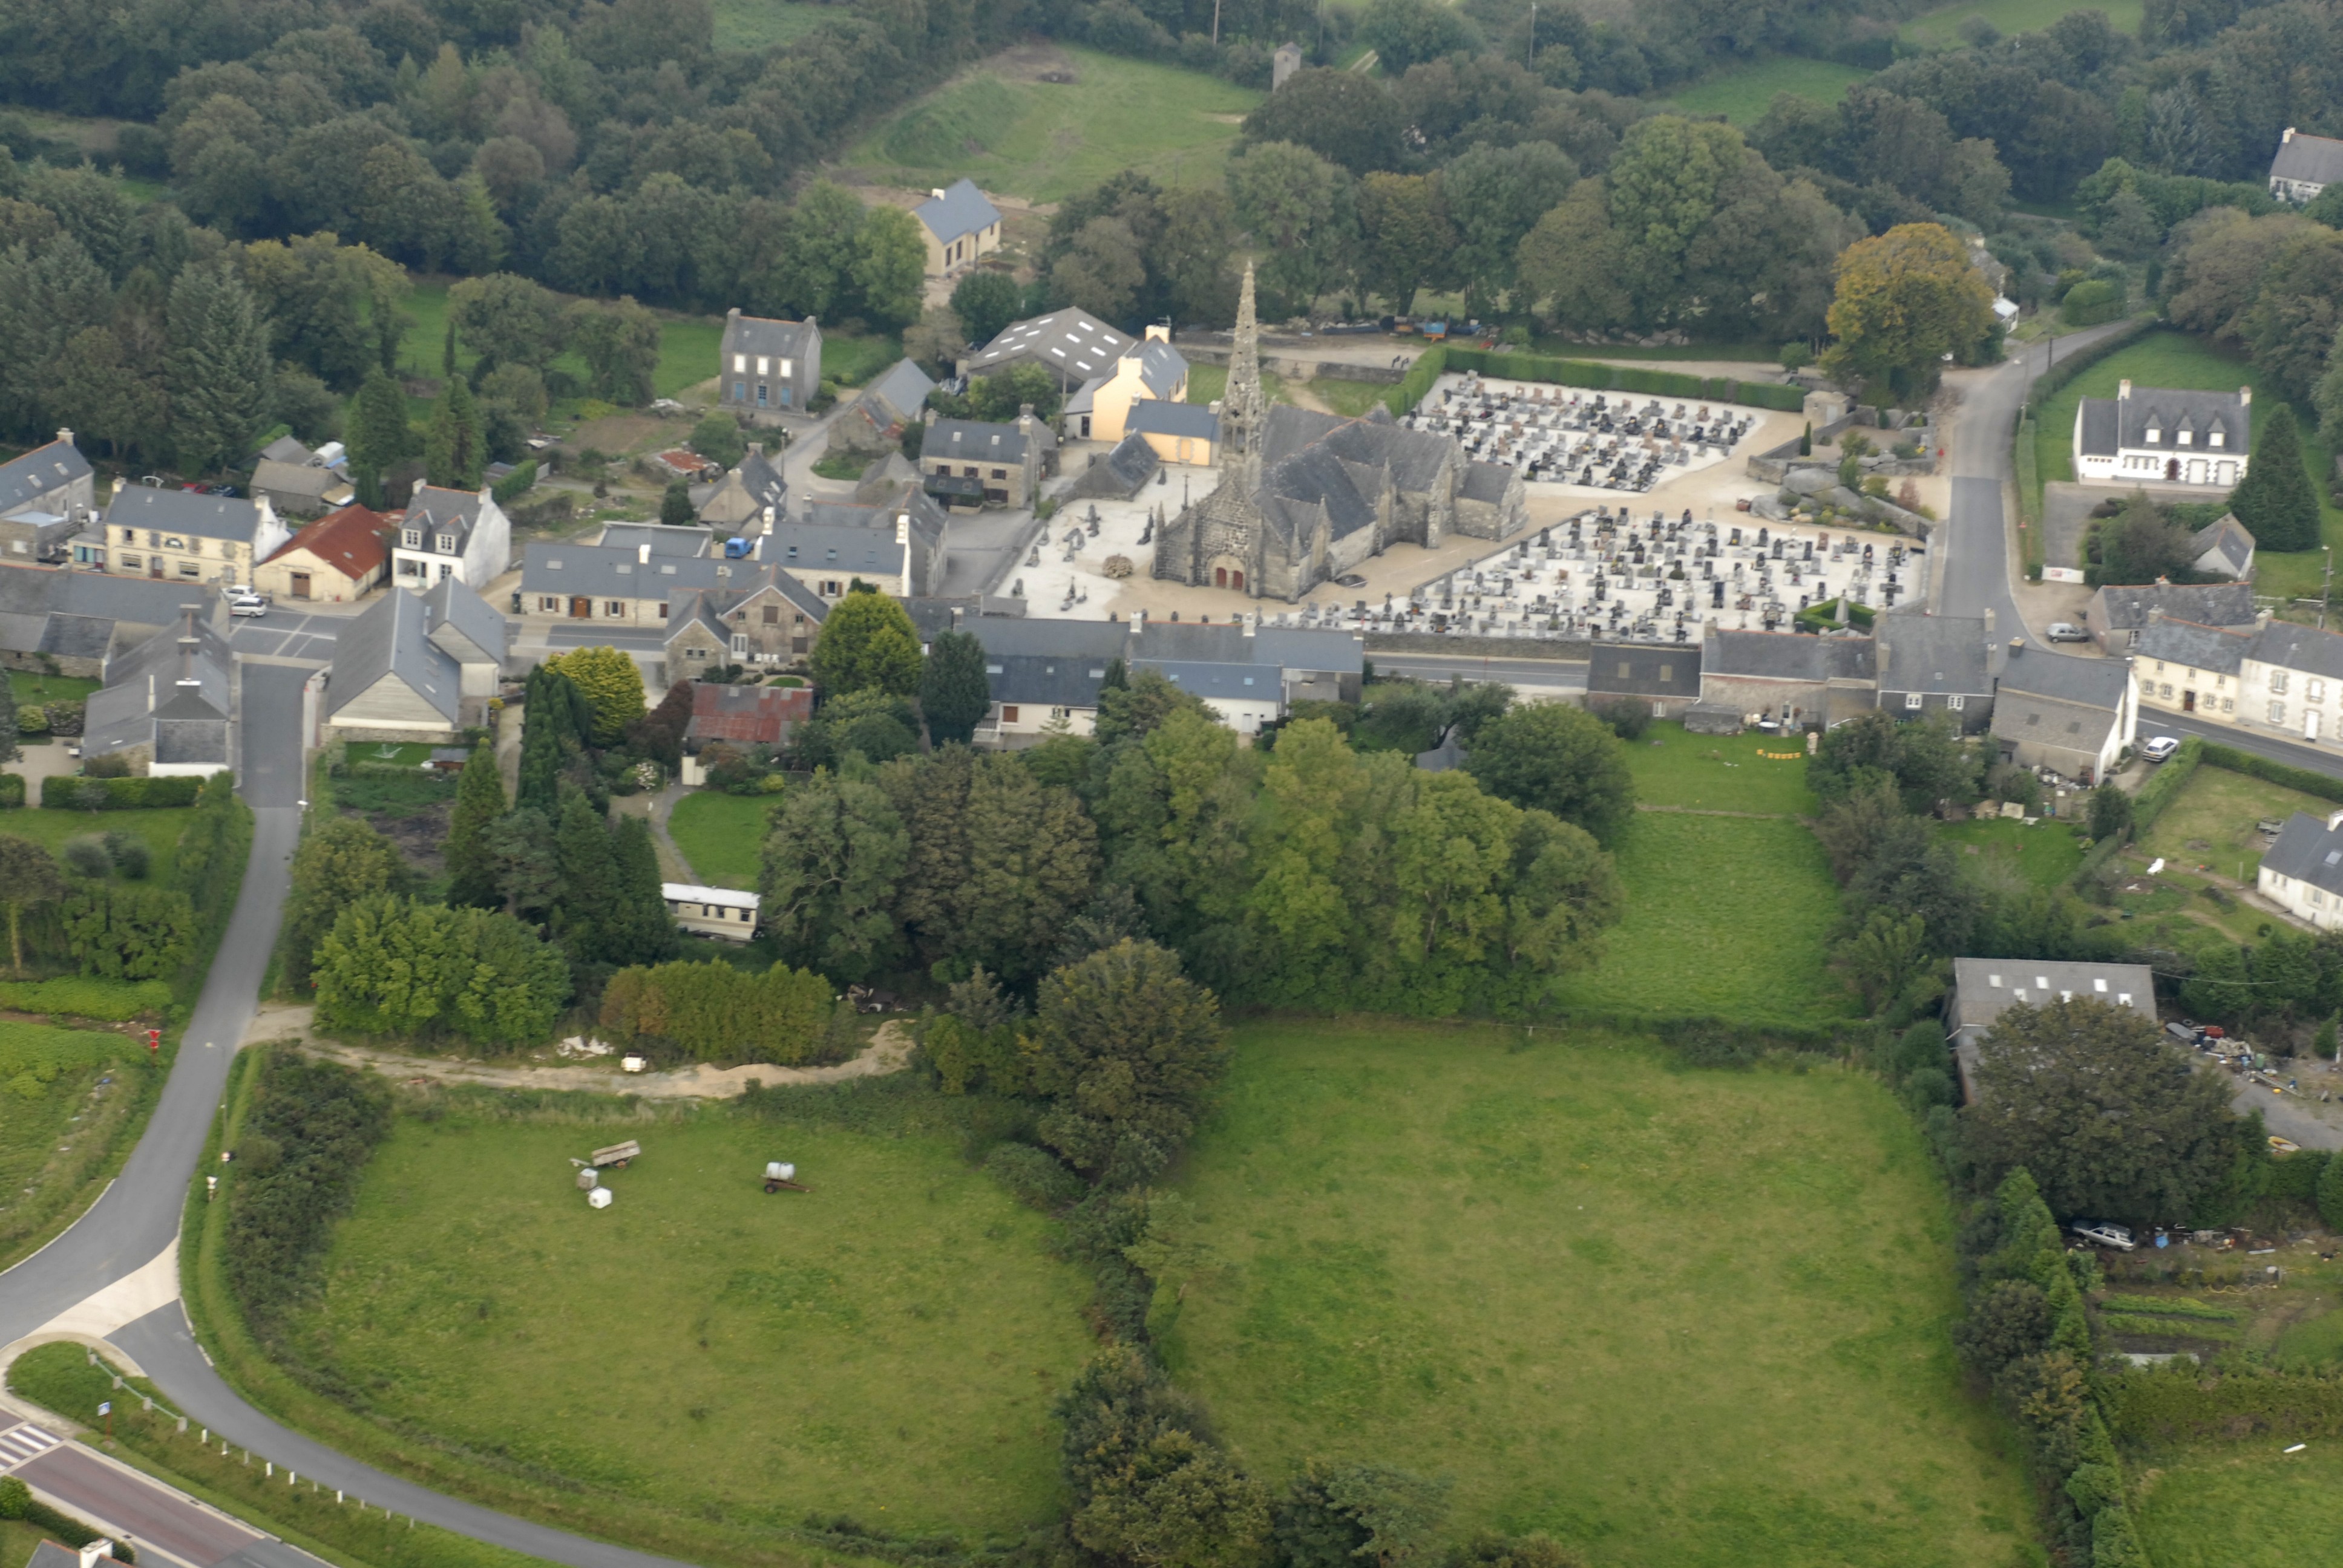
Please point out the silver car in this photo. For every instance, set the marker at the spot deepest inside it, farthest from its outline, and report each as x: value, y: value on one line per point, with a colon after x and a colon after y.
x: 2067, y: 631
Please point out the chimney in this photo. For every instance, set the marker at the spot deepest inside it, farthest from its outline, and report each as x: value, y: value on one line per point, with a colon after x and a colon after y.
x: 1252, y: 623
x: 2287, y: 137
x: 1157, y: 332
x: 937, y: 194
x: 2123, y: 387
x: 1996, y: 654
x: 732, y: 316
x: 643, y: 555
x: 1024, y: 418
x: 1988, y: 623
x: 1879, y: 653
x: 64, y: 434
x: 2245, y: 397
x: 2334, y: 819
x: 96, y: 1552
x: 903, y: 543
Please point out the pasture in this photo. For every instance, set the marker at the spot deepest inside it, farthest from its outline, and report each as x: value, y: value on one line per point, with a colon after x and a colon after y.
x: 1671, y: 1317
x: 721, y: 834
x: 1942, y: 28
x: 1741, y: 92
x: 2242, y: 1505
x: 1745, y: 772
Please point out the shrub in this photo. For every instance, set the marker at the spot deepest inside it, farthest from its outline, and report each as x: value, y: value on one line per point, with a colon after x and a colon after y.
x: 83, y: 996
x: 307, y: 1137
x: 391, y: 967
x: 88, y: 857
x: 129, y: 854
x: 118, y: 931
x: 515, y: 485
x: 1627, y: 718
x: 95, y: 792
x: 12, y: 789
x: 718, y: 1012
x: 1034, y: 1177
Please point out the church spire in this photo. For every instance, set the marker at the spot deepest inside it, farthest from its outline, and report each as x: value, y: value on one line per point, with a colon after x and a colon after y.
x: 1242, y: 407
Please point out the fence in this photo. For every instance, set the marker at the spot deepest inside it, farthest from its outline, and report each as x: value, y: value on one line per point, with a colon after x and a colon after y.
x: 2153, y: 798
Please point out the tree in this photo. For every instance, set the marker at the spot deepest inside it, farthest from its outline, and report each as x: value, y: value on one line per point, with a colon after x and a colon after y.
x: 675, y: 504
x: 2275, y: 499
x: 507, y: 320
x: 1103, y: 271
x: 890, y: 263
x: 1494, y: 197
x: 2109, y: 1119
x: 1139, y: 707
x: 1557, y: 759
x: 832, y: 861
x: 2141, y: 544
x: 1302, y: 209
x: 1885, y: 958
x: 1336, y: 1515
x: 479, y: 801
x: 380, y: 437
x: 454, y: 450
x: 1341, y: 115
x: 1575, y: 262
x: 1407, y: 239
x: 718, y: 439
x: 1174, y: 1502
x: 588, y: 897
x: 1404, y: 33
x: 868, y: 640
x: 391, y: 967
x: 986, y: 302
x: 116, y: 932
x: 954, y: 693
x: 621, y: 345
x: 637, y: 928
x: 612, y: 684
x: 2330, y: 1193
x: 817, y: 260
x: 526, y: 865
x: 2110, y: 811
x: 217, y: 372
x: 28, y: 878
x: 1127, y: 1048
x: 1905, y: 300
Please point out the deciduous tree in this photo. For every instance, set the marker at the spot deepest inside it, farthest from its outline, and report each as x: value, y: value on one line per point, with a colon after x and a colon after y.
x: 28, y: 879
x: 986, y: 302
x: 1558, y: 759
x: 1905, y: 299
x: 868, y: 641
x: 613, y: 685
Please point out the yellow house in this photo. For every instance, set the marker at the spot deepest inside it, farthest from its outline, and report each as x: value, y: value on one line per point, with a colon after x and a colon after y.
x: 1152, y: 370
x: 961, y: 227
x: 1187, y: 433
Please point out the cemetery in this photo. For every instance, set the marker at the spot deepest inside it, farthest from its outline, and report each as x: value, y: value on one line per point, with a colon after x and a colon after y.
x: 1563, y: 437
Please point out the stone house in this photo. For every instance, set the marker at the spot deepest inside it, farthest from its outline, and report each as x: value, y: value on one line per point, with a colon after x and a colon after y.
x: 46, y: 497
x: 972, y: 463
x: 2224, y: 549
x: 745, y: 497
x: 1938, y: 664
x: 304, y: 489
x: 391, y: 680
x: 462, y: 534
x: 2072, y: 716
x: 875, y: 421
x: 2180, y: 667
x: 2291, y: 681
x: 168, y: 703
x: 2117, y: 615
x: 767, y: 367
x: 960, y: 225
x: 773, y: 621
x: 2302, y: 872
x: 181, y: 536
x: 2156, y: 434
x: 1791, y: 677
x: 334, y: 560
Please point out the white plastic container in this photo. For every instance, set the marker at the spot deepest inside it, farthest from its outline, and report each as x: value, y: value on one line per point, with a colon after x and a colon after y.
x: 599, y: 1198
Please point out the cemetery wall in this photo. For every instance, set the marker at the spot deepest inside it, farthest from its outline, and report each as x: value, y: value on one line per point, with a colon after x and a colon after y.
x: 1554, y: 648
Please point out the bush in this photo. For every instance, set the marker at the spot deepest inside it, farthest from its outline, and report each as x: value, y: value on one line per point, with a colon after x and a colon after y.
x: 718, y: 1012
x: 1627, y: 718
x: 515, y: 485
x: 60, y: 792
x: 309, y: 1134
x: 129, y: 854
x: 395, y: 968
x: 83, y: 996
x: 88, y: 857
x: 118, y: 931
x: 1034, y: 1177
x: 12, y: 789
x: 2089, y: 303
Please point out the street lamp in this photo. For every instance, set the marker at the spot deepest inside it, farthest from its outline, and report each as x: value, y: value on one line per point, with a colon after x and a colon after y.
x: 2327, y: 588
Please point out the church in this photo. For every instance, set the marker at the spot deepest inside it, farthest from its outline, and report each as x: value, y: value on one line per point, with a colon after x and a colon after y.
x: 1303, y: 497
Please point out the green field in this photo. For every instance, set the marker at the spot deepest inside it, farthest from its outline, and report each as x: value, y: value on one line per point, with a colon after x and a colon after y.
x: 2178, y: 359
x: 1943, y: 28
x: 1726, y: 917
x: 1746, y: 772
x: 721, y: 834
x: 30, y: 685
x: 2245, y: 1505
x: 160, y: 828
x: 1673, y: 1319
x: 687, y: 345
x: 1209, y: 383
x: 2211, y: 821
x: 1741, y: 92
x: 887, y: 1346
x: 753, y: 25
x: 2046, y: 854
x: 61, y: 1129
x: 1045, y: 141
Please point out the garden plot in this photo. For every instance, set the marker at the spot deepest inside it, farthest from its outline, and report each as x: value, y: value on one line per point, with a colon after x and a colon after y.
x: 1567, y: 441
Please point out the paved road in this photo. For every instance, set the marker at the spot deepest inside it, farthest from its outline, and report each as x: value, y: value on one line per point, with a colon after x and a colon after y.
x: 1569, y: 674
x: 283, y: 635
x: 2278, y: 749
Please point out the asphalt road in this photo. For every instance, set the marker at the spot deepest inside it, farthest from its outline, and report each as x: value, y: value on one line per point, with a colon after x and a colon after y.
x: 2276, y: 747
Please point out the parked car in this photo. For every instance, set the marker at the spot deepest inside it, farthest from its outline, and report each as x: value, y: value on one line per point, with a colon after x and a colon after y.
x: 2104, y: 1234
x: 2160, y: 747
x: 2067, y: 631
x: 247, y: 604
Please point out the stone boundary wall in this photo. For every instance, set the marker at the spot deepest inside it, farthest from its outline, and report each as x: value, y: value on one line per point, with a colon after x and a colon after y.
x: 1473, y: 647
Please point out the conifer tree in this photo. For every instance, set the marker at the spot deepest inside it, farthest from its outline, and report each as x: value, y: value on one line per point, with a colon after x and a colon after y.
x: 454, y: 450
x: 479, y: 801
x: 217, y: 368
x: 2275, y: 499
x: 582, y: 915
x: 637, y: 929
x: 954, y: 694
x: 380, y: 435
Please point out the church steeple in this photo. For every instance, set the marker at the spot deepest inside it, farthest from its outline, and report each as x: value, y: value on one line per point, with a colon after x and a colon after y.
x: 1243, y: 407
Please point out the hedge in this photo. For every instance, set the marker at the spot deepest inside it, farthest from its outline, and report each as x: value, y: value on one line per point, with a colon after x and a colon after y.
x: 85, y: 996
x: 12, y: 789
x: 312, y: 1127
x: 2147, y: 805
x: 1624, y: 378
x: 1418, y: 380
x: 2047, y: 385
x: 63, y: 793
x: 2219, y: 755
x: 515, y: 485
x: 2181, y: 1400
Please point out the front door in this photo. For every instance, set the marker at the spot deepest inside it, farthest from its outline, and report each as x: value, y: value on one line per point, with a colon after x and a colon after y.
x: 154, y: 566
x: 581, y: 609
x: 2187, y: 702
x: 300, y: 585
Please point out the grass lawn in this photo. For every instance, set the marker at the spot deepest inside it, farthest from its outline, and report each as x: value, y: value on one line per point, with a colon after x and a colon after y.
x: 1210, y: 383
x: 1349, y: 397
x: 396, y: 754
x: 721, y: 834
x: 62, y: 1127
x: 848, y: 361
x: 28, y: 686
x: 160, y: 828
x: 1045, y: 141
x: 1742, y: 93
x: 1746, y: 772
x: 2178, y: 359
x: 753, y: 24
x: 1942, y: 27
x: 888, y: 1347
x: 1673, y: 1319
x: 2244, y: 1505
x: 2046, y: 854
x: 2211, y: 821
x: 1726, y: 917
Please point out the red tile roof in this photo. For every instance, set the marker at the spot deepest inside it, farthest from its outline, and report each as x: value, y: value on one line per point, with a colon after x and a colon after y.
x: 350, y: 540
x: 748, y: 715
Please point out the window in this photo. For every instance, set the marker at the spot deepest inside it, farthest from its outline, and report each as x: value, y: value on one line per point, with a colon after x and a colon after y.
x: 764, y: 364
x: 447, y: 544
x: 130, y: 563
x: 547, y: 603
x: 413, y: 539
x: 662, y: 608
x: 773, y: 614
x: 789, y: 369
x: 174, y: 544
x: 2154, y: 435
x: 1912, y: 699
x: 1009, y: 713
x: 613, y: 608
x: 739, y: 642
x: 1667, y: 673
x: 739, y: 363
x: 1062, y: 713
x: 2165, y: 691
x: 993, y: 669
x: 2277, y: 713
x: 2318, y: 898
x: 2123, y: 998
x: 2277, y: 680
x: 130, y: 536
x: 1623, y: 670
x: 2098, y: 985
x: 2316, y: 692
x: 1001, y: 473
x: 2187, y: 438
x: 1957, y: 703
x: 2159, y: 667
x: 190, y: 569
x: 2217, y: 439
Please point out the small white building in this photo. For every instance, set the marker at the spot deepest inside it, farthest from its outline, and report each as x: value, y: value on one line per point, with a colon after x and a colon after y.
x: 2157, y: 435
x: 2304, y: 165
x: 2303, y: 872
x: 462, y: 534
x: 725, y: 913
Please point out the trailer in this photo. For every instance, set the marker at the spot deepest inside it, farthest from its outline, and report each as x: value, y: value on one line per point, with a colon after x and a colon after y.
x: 617, y: 1155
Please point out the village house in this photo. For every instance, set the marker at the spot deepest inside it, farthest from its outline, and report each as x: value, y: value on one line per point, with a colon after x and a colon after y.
x: 2117, y: 615
x: 391, y: 679
x: 46, y: 497
x: 2224, y: 549
x: 2181, y: 667
x: 767, y: 367
x: 334, y: 560
x: 1984, y: 988
x: 771, y: 619
x: 181, y: 536
x: 1185, y: 433
x: 462, y: 534
x: 746, y: 715
x: 625, y: 585
x: 306, y: 489
x: 1152, y: 370
x: 468, y: 628
x: 976, y: 464
x: 875, y: 421
x: 2292, y: 682
x: 1789, y: 678
x: 960, y: 225
x: 167, y: 705
x: 1663, y: 676
x: 2304, y: 165
x: 2072, y: 716
x: 2159, y: 435
x: 1283, y: 62
x: 1938, y: 664
x: 752, y: 490
x: 896, y: 544
x: 71, y: 621
x: 1249, y: 674
x: 2302, y: 872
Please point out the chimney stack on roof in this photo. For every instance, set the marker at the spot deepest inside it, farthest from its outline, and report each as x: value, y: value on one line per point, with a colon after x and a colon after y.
x: 2123, y: 387
x: 2245, y: 397
x: 643, y: 554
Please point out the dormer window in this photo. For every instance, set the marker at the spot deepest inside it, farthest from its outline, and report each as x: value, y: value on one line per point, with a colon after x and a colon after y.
x: 2154, y: 435
x: 2216, y: 438
x: 413, y: 539
x: 447, y: 544
x: 2187, y: 438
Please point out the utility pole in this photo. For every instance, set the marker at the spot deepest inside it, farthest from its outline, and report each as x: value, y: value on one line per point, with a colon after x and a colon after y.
x: 1533, y: 34
x: 1216, y: 23
x: 2326, y: 588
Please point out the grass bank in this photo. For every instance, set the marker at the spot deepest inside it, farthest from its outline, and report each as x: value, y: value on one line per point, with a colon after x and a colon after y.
x: 1671, y: 1317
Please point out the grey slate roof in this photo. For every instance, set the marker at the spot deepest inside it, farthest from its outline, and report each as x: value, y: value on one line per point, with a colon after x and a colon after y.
x: 2127, y: 606
x: 1486, y: 482
x: 1161, y: 367
x: 293, y: 478
x: 810, y: 546
x: 26, y: 479
x: 2085, y: 682
x: 1288, y: 648
x: 436, y: 511
x: 2308, y: 851
x: 285, y: 449
x: 1233, y: 682
x: 2113, y: 423
x: 455, y: 607
x: 184, y: 512
x: 1071, y: 341
x: 771, y: 336
x: 902, y: 390
x: 1785, y: 656
x: 663, y: 539
x: 1120, y: 472
x: 392, y: 639
x: 2214, y: 649
x: 1059, y: 680
x: 1156, y: 417
x: 961, y: 209
x: 1938, y: 654
x: 2299, y: 648
x: 1977, y: 999
x: 2230, y: 544
x: 2313, y: 160
x: 1643, y: 669
x: 1006, y: 637
x: 601, y: 572
x: 170, y: 691
x: 973, y: 441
